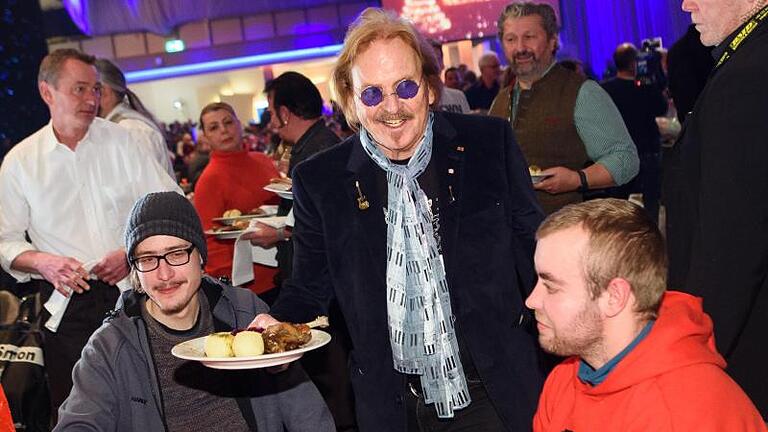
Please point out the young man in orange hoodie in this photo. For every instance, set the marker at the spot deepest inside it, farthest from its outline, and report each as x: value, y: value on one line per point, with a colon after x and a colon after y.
x: 642, y: 359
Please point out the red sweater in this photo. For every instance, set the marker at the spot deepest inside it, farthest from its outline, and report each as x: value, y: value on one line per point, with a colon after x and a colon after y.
x: 673, y: 380
x: 234, y: 180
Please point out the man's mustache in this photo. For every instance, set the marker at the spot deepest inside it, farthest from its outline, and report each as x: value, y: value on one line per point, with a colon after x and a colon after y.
x: 397, y: 116
x: 525, y: 55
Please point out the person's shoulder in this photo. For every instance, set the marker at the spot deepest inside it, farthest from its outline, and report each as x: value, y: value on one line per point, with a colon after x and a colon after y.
x: 705, y: 381
x: 472, y: 124
x: 100, y: 126
x: 703, y: 394
x: 327, y: 135
x: 559, y: 384
x: 565, y: 371
x: 613, y: 81
x: 111, y: 136
x: 330, y: 160
x: 29, y: 146
x: 138, y: 125
x: 111, y: 336
x: 261, y: 158
x: 451, y: 92
x: 242, y: 300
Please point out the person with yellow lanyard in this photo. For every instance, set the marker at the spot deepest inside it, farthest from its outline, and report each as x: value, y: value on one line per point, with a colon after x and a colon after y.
x: 722, y: 156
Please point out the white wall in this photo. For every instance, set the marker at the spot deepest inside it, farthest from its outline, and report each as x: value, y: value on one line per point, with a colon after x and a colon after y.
x: 194, y: 92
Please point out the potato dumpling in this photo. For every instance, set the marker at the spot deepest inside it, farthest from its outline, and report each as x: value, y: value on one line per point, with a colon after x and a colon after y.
x: 248, y: 343
x: 232, y: 213
x: 219, y: 345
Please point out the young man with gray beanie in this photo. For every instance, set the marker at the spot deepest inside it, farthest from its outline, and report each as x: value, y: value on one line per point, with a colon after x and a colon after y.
x: 128, y: 380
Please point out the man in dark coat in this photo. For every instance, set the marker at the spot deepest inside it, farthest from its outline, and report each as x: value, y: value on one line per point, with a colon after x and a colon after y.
x: 421, y: 226
x: 296, y: 112
x: 723, y: 151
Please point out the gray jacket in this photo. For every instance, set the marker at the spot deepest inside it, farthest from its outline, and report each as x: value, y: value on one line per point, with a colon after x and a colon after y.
x: 116, y: 387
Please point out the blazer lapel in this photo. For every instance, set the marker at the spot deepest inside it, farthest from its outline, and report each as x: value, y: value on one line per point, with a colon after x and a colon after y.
x: 448, y: 160
x: 362, y: 191
x: 448, y: 157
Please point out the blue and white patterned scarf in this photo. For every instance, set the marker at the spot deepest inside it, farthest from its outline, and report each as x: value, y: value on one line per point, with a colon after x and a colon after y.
x: 421, y: 329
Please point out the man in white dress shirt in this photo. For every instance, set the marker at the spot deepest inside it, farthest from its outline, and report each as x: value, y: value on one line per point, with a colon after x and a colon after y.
x: 120, y: 105
x: 65, y: 194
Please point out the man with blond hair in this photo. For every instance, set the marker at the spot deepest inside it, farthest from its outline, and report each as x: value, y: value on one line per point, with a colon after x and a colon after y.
x: 641, y: 358
x: 421, y: 226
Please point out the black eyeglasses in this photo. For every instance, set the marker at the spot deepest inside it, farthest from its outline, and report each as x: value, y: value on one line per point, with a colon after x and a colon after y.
x: 405, y: 89
x: 175, y: 258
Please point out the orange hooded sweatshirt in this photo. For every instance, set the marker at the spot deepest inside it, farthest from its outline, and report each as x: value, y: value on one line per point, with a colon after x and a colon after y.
x: 673, y: 380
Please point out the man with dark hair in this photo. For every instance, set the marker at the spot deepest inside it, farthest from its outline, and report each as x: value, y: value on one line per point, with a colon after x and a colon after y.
x: 639, y: 105
x: 69, y: 187
x: 120, y: 105
x: 296, y: 113
x: 421, y: 227
x: 453, y: 78
x: 295, y: 109
x: 641, y: 358
x: 128, y: 380
x: 451, y: 100
x: 722, y: 216
x: 566, y: 125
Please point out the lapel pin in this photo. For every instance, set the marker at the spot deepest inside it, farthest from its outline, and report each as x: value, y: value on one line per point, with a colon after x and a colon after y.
x: 451, y: 171
x: 362, y: 201
x: 460, y: 148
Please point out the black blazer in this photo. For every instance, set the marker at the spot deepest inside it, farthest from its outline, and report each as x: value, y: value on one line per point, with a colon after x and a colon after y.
x: 487, y: 236
x: 721, y: 220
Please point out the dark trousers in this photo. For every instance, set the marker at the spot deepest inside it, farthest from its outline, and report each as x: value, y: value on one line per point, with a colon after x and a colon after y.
x: 480, y: 415
x: 62, y: 349
x: 329, y: 370
x: 649, y: 180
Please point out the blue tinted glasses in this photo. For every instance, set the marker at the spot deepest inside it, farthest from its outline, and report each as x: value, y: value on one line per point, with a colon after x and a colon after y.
x: 405, y: 89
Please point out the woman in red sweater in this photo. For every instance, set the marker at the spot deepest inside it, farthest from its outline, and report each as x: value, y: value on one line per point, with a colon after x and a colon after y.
x: 233, y: 179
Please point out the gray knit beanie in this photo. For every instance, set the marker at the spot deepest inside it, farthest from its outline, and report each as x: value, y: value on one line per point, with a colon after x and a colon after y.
x: 164, y: 213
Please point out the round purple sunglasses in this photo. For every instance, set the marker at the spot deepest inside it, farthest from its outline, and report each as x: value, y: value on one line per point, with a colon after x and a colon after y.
x: 405, y: 89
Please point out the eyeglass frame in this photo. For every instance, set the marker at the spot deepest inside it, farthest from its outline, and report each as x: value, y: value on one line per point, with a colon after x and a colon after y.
x: 384, y: 95
x: 164, y: 257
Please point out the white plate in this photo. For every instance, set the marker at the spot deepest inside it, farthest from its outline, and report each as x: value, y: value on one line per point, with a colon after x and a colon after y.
x: 269, y: 210
x: 538, y: 178
x: 193, y: 350
x: 281, y: 189
x: 225, y: 235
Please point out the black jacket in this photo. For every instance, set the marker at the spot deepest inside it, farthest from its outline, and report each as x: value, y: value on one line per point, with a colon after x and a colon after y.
x: 316, y: 139
x: 487, y: 219
x: 722, y: 220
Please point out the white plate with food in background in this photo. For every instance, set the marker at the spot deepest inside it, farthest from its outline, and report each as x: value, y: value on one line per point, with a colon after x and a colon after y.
x: 225, y: 235
x: 262, y: 211
x: 194, y: 350
x: 283, y: 190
